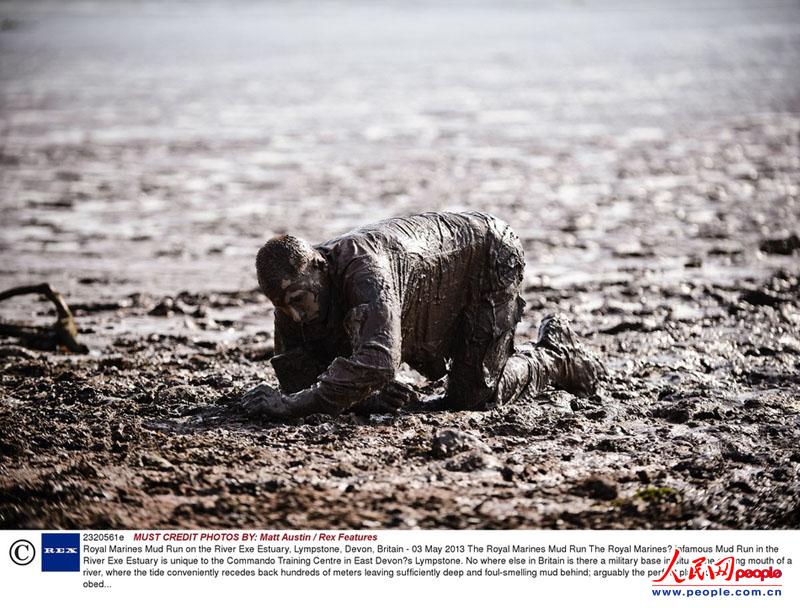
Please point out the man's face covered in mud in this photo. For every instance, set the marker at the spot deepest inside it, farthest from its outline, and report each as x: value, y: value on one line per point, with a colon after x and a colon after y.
x: 304, y: 298
x: 294, y: 276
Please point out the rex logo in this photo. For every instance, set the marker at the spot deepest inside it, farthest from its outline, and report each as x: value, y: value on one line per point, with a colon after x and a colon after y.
x: 61, y: 552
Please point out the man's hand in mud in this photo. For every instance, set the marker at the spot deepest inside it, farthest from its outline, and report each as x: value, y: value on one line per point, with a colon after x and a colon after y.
x: 263, y: 401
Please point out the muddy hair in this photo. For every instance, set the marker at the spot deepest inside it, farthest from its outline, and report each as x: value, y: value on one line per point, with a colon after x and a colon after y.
x: 282, y: 257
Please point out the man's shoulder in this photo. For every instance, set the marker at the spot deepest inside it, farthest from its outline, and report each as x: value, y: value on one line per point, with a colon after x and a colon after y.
x: 357, y: 265
x: 355, y: 247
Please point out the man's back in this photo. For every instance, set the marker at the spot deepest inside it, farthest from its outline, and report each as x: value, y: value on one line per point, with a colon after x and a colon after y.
x: 430, y: 265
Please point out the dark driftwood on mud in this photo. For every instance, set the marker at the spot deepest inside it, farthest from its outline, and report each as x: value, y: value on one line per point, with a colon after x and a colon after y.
x: 63, y: 332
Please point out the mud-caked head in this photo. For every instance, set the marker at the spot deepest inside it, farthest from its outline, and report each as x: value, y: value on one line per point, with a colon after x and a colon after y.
x: 294, y: 276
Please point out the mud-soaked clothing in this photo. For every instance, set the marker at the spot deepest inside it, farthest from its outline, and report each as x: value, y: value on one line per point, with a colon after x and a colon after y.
x: 427, y: 290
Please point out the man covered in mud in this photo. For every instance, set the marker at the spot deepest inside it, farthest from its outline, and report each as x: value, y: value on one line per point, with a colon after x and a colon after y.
x: 438, y: 291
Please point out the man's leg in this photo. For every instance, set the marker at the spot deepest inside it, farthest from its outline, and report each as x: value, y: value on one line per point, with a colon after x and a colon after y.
x: 557, y: 359
x: 486, y: 369
x: 484, y: 345
x: 486, y: 333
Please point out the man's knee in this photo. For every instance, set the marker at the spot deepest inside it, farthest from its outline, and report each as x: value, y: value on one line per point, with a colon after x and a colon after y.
x: 469, y: 396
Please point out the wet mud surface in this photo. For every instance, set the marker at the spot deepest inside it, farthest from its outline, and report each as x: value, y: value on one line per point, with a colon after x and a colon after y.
x: 649, y: 160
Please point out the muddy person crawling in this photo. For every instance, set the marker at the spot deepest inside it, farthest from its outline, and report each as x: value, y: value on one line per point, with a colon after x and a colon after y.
x: 438, y: 291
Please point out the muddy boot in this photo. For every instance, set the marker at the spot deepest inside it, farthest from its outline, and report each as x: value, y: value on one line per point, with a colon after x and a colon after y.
x: 575, y: 369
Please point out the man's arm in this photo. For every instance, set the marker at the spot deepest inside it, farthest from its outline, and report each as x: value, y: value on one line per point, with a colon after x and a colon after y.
x: 373, y: 323
x: 296, y: 367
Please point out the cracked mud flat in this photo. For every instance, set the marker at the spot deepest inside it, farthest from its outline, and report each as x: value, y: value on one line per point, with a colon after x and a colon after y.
x: 649, y: 159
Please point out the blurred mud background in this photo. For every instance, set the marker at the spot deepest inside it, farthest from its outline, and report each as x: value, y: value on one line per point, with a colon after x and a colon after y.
x: 646, y: 152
